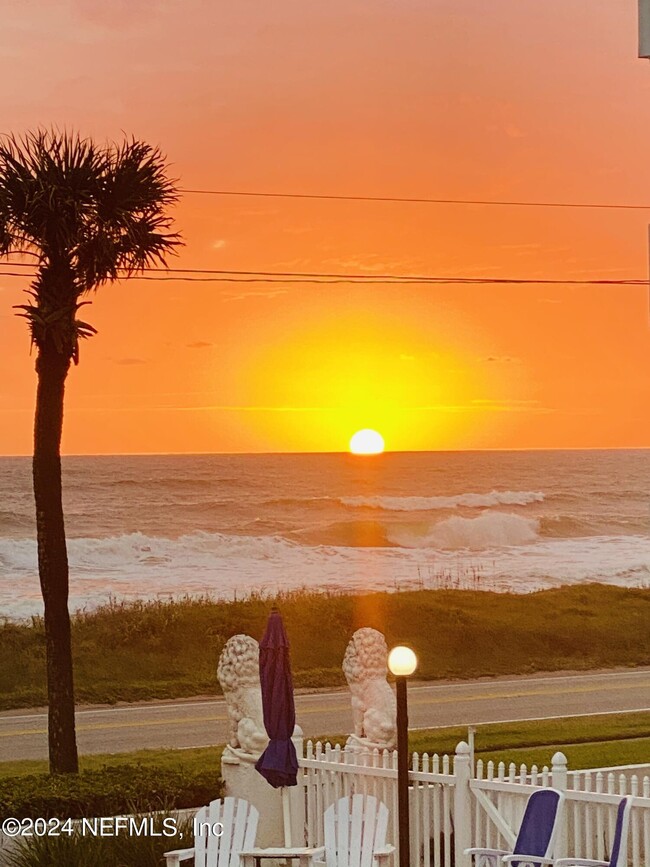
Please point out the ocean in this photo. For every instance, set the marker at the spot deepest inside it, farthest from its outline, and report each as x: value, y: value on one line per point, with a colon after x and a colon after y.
x: 225, y: 525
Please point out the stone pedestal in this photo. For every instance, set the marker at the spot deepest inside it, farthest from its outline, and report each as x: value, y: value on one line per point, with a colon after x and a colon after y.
x: 241, y: 780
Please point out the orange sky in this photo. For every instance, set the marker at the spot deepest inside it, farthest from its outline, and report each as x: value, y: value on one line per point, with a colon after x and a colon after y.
x: 515, y: 99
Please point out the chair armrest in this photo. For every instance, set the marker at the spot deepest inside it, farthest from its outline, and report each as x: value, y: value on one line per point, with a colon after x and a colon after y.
x: 494, y: 855
x: 173, y: 859
x: 383, y: 853
x: 305, y: 854
x: 580, y: 862
x: 282, y: 851
x: 525, y: 860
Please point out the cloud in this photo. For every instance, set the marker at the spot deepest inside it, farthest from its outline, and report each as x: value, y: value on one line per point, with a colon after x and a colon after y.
x: 129, y: 361
x: 254, y: 293
x: 502, y: 359
x: 297, y: 230
x: 521, y: 247
x: 219, y: 244
x: 513, y: 131
x: 510, y: 405
x: 287, y: 264
x: 372, y: 263
x: 199, y: 344
x: 120, y: 14
x: 259, y: 212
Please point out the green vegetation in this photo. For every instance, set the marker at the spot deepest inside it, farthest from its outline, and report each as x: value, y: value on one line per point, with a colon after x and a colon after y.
x: 166, y: 779
x: 114, y: 788
x: 148, y: 650
x: 85, y: 850
x: 587, y: 741
x: 189, y: 762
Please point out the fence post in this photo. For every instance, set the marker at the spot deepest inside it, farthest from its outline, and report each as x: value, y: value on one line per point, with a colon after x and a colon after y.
x: 559, y: 777
x: 462, y: 805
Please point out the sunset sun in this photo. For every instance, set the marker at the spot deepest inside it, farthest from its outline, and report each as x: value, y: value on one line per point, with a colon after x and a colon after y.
x: 367, y: 442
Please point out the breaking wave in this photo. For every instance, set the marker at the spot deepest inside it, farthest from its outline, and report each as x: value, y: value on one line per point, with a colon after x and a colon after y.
x: 425, y: 504
x: 488, y: 530
x: 136, y: 565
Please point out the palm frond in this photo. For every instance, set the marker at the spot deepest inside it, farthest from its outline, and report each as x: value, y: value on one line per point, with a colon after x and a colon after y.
x: 132, y: 230
x: 48, y: 185
x: 88, y: 212
x: 59, y: 325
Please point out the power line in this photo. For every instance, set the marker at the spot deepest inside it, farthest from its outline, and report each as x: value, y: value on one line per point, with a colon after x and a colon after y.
x: 419, y: 200
x: 326, y: 278
x: 336, y: 275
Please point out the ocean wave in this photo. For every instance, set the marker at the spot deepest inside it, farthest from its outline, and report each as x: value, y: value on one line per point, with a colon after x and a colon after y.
x: 347, y: 534
x: 14, y: 520
x: 169, y: 482
x: 131, y: 551
x: 425, y: 504
x: 488, y: 530
x: 566, y: 526
x: 297, y: 501
x: 136, y: 565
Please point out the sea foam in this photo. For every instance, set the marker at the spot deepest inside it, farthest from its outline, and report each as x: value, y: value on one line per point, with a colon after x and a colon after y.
x: 135, y: 565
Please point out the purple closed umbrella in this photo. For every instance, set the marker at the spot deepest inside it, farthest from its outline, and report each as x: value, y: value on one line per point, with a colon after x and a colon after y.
x: 278, y: 763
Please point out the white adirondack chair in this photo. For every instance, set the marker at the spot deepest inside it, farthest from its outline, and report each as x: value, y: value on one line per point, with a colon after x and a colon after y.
x: 222, y: 830
x: 355, y: 833
x: 355, y: 836
x: 536, y: 838
x: 618, y: 858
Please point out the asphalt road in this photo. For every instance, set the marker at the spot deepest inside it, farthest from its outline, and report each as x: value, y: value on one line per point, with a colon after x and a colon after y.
x: 23, y: 735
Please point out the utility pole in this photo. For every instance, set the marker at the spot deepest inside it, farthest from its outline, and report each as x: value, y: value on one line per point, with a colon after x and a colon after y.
x: 649, y: 274
x: 644, y: 51
x: 644, y: 28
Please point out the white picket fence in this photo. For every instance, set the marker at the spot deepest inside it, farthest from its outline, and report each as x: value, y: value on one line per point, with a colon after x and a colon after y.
x: 331, y: 772
x: 453, y: 808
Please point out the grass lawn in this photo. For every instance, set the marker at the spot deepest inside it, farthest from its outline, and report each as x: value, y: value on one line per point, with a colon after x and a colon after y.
x: 588, y: 742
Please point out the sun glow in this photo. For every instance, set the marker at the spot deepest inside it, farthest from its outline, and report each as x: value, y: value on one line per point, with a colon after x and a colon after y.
x: 367, y: 442
x: 297, y: 394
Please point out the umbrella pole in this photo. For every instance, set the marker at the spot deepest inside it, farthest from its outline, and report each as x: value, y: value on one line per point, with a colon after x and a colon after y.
x: 286, y: 816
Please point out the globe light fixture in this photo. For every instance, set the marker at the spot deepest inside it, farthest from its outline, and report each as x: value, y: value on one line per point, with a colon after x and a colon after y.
x: 402, y: 662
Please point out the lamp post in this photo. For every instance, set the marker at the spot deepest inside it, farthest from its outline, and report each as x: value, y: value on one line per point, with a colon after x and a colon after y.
x: 402, y: 662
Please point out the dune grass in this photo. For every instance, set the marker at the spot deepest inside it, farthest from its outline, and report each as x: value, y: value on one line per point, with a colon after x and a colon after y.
x: 169, y: 649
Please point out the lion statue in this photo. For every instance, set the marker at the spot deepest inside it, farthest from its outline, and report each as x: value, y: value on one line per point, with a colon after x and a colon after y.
x: 373, y: 702
x: 239, y: 675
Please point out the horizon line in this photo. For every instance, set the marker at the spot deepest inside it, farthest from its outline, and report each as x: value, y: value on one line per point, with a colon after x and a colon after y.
x: 342, y: 452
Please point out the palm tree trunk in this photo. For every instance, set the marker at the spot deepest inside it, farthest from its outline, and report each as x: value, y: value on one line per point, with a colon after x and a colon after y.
x: 52, y: 369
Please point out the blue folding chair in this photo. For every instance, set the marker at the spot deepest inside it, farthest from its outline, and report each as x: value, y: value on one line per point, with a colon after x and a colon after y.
x: 536, y: 838
x: 618, y: 858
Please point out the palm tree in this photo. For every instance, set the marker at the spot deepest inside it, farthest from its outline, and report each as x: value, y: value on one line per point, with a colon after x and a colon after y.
x: 89, y: 214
